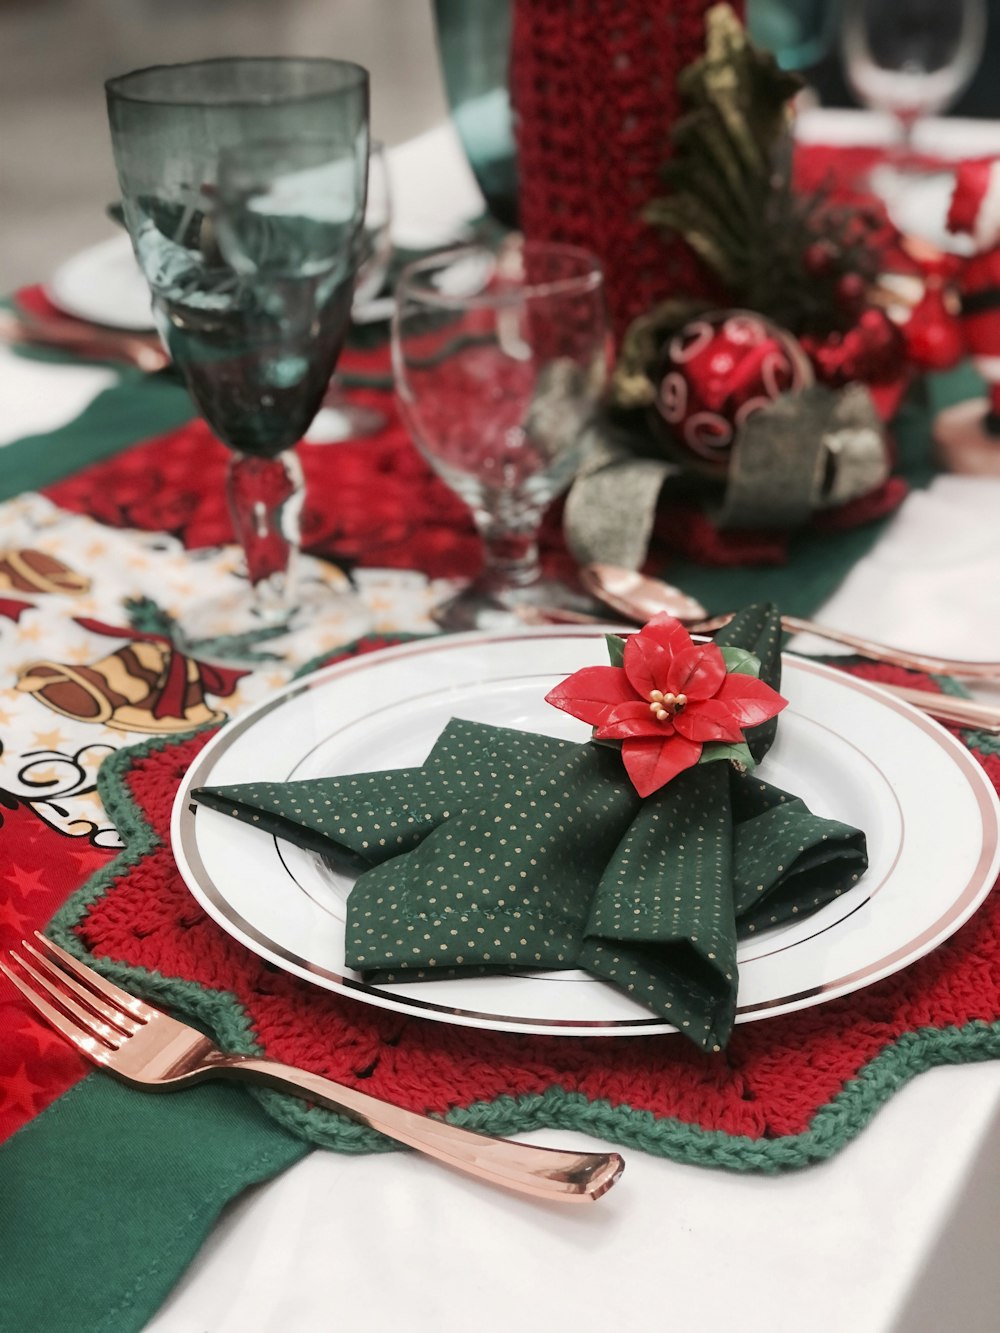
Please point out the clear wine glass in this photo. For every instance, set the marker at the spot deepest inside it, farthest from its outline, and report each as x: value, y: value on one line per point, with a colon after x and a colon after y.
x: 243, y: 185
x: 339, y: 418
x: 911, y: 58
x: 500, y: 359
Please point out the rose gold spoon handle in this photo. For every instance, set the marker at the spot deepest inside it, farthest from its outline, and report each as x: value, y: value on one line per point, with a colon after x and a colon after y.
x: 878, y: 652
x: 638, y: 597
x: 946, y: 708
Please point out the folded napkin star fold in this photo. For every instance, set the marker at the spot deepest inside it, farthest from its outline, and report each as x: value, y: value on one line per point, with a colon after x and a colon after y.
x: 507, y: 849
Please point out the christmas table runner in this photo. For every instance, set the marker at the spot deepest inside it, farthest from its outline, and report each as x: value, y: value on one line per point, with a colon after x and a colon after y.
x: 103, y: 704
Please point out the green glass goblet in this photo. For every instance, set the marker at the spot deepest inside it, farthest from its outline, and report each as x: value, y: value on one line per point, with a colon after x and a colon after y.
x: 243, y: 185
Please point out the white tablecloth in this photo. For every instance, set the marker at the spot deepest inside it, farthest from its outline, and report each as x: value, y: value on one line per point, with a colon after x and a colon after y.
x: 896, y: 1235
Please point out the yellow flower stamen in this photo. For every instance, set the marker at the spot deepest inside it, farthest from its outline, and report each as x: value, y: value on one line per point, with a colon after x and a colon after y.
x: 664, y: 706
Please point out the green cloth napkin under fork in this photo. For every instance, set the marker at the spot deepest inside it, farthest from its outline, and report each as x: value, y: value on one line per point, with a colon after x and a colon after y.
x: 511, y: 850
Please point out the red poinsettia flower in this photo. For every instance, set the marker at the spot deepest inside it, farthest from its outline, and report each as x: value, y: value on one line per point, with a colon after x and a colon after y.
x: 668, y: 699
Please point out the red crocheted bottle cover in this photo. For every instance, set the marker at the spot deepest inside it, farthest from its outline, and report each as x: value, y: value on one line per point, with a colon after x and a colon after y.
x: 594, y: 89
x: 786, y: 1092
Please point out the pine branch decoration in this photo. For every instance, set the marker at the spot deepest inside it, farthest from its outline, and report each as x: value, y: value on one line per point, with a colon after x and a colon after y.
x: 782, y: 253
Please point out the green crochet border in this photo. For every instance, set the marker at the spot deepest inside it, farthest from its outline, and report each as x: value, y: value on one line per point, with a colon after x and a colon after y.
x: 221, y: 1013
x: 353, y: 648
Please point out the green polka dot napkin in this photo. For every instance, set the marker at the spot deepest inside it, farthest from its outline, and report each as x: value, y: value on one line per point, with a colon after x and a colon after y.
x: 510, y: 850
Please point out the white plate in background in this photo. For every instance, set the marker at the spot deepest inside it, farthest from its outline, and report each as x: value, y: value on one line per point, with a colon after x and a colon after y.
x: 103, y: 285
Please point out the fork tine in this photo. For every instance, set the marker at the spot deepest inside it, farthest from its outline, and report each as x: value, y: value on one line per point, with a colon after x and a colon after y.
x: 85, y: 1018
x: 87, y: 1044
x: 129, y: 1004
x: 127, y: 1024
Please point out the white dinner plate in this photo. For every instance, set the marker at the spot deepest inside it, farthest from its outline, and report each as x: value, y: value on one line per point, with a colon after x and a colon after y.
x: 104, y: 285
x: 850, y: 750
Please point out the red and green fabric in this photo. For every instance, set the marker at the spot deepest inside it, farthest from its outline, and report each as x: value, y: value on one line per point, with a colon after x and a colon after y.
x: 84, y: 1157
x: 786, y: 1093
x: 140, y: 458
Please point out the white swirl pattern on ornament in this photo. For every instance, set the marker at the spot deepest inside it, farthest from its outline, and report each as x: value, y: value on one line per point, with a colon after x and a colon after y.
x: 721, y: 369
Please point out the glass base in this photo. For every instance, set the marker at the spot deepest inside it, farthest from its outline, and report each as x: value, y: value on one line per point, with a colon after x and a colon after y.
x: 547, y: 601
x: 236, y: 625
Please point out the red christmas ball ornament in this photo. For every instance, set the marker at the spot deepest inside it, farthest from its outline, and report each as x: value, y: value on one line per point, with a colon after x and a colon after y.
x: 819, y: 257
x: 933, y: 333
x: 716, y: 372
x: 851, y: 291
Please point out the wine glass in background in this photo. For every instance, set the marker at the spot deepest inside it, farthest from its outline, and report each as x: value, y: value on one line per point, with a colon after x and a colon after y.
x: 799, y: 33
x: 910, y: 58
x: 500, y: 358
x: 376, y: 233
x: 474, y: 38
x: 339, y: 418
x: 243, y: 186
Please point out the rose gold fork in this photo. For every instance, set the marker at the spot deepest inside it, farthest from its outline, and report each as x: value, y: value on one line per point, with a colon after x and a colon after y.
x: 144, y: 1046
x: 139, y: 349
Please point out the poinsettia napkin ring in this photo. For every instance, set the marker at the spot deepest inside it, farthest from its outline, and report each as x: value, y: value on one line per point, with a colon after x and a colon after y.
x: 671, y: 702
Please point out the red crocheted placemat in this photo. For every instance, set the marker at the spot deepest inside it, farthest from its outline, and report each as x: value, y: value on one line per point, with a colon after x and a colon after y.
x: 787, y: 1091
x: 372, y: 501
x: 375, y: 502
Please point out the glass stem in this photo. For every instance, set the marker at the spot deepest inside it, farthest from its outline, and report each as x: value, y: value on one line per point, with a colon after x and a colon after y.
x: 510, y: 555
x: 903, y: 153
x: 265, y: 500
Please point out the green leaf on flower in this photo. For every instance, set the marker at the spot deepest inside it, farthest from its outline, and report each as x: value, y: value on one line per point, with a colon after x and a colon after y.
x: 740, y: 661
x: 739, y: 754
x: 616, y: 649
x: 611, y: 745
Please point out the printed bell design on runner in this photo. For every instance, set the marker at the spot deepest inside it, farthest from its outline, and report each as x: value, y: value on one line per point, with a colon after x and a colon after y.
x: 146, y: 685
x: 27, y: 570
